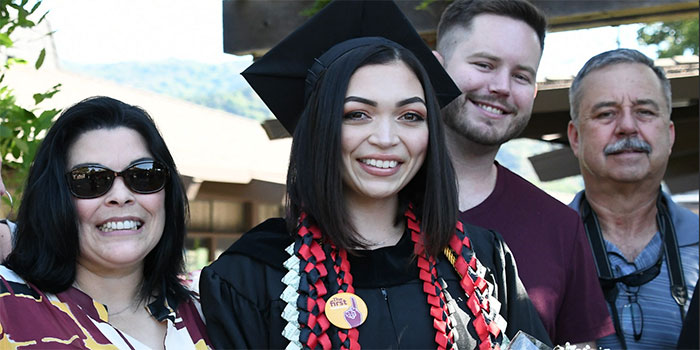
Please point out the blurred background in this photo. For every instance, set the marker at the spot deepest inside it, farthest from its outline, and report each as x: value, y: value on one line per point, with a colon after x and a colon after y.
x: 169, y: 58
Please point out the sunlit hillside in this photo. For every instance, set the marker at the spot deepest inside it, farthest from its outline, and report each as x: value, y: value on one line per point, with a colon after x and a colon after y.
x: 217, y: 86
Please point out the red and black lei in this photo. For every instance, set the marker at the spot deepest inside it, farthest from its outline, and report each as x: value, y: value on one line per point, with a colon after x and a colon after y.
x: 317, y: 284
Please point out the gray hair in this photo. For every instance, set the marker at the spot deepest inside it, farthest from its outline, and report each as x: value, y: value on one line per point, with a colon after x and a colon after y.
x: 609, y: 58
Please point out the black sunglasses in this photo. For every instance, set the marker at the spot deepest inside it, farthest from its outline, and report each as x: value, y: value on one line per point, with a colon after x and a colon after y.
x: 634, y: 279
x: 94, y: 180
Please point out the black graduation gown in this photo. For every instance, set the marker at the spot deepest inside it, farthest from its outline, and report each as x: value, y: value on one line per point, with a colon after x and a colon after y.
x: 240, y: 292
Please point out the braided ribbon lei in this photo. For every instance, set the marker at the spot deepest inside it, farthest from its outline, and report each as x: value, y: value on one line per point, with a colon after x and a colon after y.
x: 431, y: 286
x: 480, y: 302
x: 307, y: 280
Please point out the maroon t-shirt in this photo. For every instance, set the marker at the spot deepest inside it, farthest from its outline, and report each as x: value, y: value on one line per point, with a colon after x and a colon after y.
x: 554, y: 258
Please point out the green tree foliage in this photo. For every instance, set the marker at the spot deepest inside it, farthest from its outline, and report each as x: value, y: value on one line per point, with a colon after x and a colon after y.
x: 673, y: 38
x: 21, y: 129
x: 317, y: 6
x: 320, y: 4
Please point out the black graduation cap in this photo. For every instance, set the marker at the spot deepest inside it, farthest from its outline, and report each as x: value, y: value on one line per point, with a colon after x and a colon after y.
x: 279, y: 77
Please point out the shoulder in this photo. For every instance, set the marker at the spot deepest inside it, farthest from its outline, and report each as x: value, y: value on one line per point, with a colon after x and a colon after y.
x: 524, y: 193
x: 487, y: 244
x: 482, y: 235
x: 685, y: 222
x: 17, y: 285
x: 264, y: 243
x: 249, y: 274
x: 263, y: 247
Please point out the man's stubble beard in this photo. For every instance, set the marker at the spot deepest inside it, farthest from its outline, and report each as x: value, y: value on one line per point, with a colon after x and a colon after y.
x: 455, y: 118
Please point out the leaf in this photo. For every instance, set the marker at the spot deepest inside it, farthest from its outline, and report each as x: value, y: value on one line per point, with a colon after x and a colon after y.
x: 25, y: 23
x: 13, y: 60
x: 38, y: 98
x: 42, y: 19
x: 317, y: 6
x: 5, y: 40
x: 5, y: 132
x: 45, y: 120
x: 15, y: 150
x: 40, y: 60
x: 42, y: 96
x: 36, y: 6
x: 424, y: 4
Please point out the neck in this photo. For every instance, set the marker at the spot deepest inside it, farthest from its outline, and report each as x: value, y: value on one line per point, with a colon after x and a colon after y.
x: 474, y: 168
x: 117, y: 291
x: 627, y: 218
x: 373, y: 219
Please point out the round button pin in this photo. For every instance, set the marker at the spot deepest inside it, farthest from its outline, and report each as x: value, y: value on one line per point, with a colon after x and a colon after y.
x: 346, y: 310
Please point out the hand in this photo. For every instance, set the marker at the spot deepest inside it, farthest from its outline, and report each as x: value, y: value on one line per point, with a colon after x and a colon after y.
x: 353, y: 315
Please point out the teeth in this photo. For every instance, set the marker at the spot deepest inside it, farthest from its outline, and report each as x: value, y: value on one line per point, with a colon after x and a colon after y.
x: 384, y: 164
x: 119, y: 225
x: 491, y: 109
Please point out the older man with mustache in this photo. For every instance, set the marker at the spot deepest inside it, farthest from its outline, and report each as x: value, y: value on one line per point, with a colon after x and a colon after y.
x: 645, y: 245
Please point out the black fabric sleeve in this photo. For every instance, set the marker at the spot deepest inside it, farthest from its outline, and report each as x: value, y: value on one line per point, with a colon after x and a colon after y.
x: 240, y: 292
x: 233, y: 321
x: 688, y: 338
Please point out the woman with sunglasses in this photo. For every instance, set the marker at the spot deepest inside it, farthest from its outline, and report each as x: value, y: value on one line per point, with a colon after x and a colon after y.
x: 371, y: 254
x: 100, y: 239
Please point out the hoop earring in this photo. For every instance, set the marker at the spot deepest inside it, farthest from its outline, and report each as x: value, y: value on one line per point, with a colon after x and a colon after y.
x: 9, y: 196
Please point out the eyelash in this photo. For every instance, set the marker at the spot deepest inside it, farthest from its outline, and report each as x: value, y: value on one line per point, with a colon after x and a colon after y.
x: 412, y: 116
x: 609, y: 114
x: 416, y: 117
x: 605, y: 114
x: 522, y: 77
x: 355, y: 115
x: 483, y: 65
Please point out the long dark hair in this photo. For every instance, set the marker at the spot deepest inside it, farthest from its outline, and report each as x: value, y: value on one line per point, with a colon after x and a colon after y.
x: 314, y: 179
x: 47, y: 242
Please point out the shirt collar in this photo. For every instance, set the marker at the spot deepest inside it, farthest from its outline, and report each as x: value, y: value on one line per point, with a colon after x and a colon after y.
x: 163, y: 307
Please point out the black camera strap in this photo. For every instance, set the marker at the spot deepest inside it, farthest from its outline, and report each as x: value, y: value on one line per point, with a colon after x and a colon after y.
x: 605, y: 275
x: 673, y: 256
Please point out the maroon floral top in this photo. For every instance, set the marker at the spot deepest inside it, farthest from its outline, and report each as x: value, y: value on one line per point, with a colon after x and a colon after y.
x: 71, y: 319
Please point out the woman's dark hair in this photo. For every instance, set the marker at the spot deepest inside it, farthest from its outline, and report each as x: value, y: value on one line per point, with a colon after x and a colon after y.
x: 314, y: 179
x: 47, y: 242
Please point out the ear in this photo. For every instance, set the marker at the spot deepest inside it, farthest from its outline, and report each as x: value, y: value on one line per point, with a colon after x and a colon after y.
x: 572, y: 132
x: 671, y: 134
x: 439, y: 57
x: 535, y: 91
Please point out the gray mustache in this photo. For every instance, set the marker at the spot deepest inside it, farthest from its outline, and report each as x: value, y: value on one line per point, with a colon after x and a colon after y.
x: 627, y: 144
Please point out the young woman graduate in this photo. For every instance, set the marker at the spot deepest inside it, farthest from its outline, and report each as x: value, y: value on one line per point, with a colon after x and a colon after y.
x: 371, y: 253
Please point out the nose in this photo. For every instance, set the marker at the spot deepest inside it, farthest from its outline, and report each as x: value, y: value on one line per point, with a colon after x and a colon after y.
x: 384, y: 134
x: 119, y: 194
x: 499, y: 83
x: 626, y: 123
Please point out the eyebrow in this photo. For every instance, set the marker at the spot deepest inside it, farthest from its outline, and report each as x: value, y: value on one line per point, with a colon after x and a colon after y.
x: 497, y: 59
x: 637, y: 102
x: 646, y: 101
x: 102, y: 165
x: 407, y: 101
x: 360, y: 100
